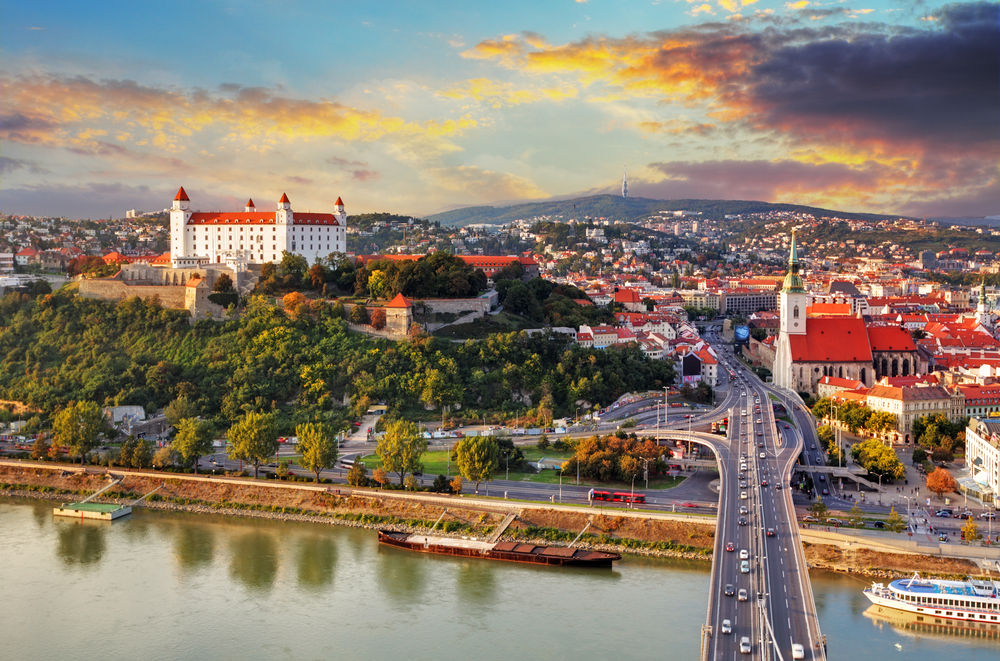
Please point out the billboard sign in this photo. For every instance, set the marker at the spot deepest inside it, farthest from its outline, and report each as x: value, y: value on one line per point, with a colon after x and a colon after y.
x: 742, y: 334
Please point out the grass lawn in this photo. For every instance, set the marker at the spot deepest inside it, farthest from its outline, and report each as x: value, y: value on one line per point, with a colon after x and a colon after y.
x: 505, y: 322
x: 436, y: 463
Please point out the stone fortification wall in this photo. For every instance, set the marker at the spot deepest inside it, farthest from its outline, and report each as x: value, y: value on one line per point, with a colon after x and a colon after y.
x: 385, y: 333
x: 457, y: 305
x: 170, y: 296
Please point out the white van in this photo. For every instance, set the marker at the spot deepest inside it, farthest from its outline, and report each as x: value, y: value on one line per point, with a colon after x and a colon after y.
x: 798, y: 652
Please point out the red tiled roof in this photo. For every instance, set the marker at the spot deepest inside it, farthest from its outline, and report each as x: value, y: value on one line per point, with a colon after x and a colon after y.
x: 890, y: 338
x: 832, y: 339
x: 250, y: 203
x: 399, y: 302
x: 259, y: 218
x: 181, y: 195
x: 339, y: 202
x: 284, y: 199
x: 627, y: 296
x: 850, y: 384
x: 828, y: 309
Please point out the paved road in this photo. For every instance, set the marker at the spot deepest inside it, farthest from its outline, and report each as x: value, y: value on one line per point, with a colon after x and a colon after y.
x: 779, y: 609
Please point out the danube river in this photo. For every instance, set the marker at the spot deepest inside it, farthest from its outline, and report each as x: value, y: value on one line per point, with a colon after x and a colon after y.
x: 173, y: 586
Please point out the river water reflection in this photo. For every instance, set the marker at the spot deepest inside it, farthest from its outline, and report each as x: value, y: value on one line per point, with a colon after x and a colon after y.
x: 179, y: 586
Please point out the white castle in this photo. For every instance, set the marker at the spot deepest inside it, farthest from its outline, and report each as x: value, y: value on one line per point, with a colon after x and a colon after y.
x: 252, y: 237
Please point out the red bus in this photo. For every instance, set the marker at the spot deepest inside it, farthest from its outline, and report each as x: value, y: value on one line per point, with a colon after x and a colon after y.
x: 619, y: 497
x: 600, y: 495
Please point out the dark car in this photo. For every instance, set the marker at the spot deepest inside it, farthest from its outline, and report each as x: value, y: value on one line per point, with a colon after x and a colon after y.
x: 822, y: 478
x: 826, y: 492
x: 743, y: 520
x: 729, y: 590
x: 878, y: 524
x: 770, y: 532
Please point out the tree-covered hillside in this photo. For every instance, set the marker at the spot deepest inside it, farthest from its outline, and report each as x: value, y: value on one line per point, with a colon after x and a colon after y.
x: 630, y: 209
x: 60, y: 348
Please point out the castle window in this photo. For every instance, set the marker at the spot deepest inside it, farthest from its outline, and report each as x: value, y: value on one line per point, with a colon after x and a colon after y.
x: 795, y: 312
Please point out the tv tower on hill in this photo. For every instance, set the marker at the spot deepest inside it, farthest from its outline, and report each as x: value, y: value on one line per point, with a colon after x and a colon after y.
x: 625, y: 181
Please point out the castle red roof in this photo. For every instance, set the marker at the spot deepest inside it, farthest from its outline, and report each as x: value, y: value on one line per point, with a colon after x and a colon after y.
x: 284, y: 199
x: 832, y: 340
x: 250, y: 203
x: 181, y: 195
x: 339, y: 203
x: 259, y: 218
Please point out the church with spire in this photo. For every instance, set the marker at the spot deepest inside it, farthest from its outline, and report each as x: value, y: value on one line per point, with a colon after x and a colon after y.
x: 240, y: 238
x: 811, y: 346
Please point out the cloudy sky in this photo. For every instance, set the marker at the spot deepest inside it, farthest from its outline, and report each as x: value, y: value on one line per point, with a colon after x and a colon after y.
x: 414, y: 107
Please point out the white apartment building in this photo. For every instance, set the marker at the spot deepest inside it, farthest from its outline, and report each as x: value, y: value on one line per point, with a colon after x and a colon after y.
x: 982, y: 456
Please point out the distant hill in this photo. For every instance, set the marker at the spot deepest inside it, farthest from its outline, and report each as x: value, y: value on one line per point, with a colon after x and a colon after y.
x: 632, y: 209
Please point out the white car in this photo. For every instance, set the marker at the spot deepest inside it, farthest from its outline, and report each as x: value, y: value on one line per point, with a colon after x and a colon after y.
x: 743, y: 495
x: 741, y: 595
x: 745, y: 567
x: 727, y: 626
x: 745, y: 645
x: 762, y: 455
x: 798, y: 652
x: 744, y: 554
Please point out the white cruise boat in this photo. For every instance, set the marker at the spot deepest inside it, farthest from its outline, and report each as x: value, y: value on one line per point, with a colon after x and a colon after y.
x: 968, y: 600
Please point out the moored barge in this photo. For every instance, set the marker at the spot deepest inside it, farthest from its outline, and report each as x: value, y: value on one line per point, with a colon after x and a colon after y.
x: 508, y: 551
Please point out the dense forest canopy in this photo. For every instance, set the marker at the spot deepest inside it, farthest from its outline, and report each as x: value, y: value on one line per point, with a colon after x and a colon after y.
x: 59, y: 348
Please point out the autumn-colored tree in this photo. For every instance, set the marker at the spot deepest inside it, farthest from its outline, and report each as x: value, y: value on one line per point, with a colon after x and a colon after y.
x: 293, y: 299
x: 894, y: 522
x: 456, y: 484
x: 317, y: 276
x: 941, y: 482
x: 971, y: 531
x: 378, y: 318
x: 358, y: 475
x: 40, y: 450
x: 380, y: 476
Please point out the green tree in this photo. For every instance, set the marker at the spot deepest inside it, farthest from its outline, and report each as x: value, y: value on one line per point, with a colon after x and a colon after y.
x: 78, y: 426
x: 358, y: 315
x: 439, y: 390
x: 378, y: 284
x: 142, y: 456
x: 894, y: 522
x: 919, y: 456
x: 477, y: 457
x: 412, y: 484
x: 253, y: 439
x: 223, y: 284
x: 293, y: 265
x: 318, y: 447
x: 179, y: 409
x: 401, y: 448
x: 193, y: 441
x: 819, y: 509
x: 881, y: 421
x: 358, y: 475
x: 855, y: 516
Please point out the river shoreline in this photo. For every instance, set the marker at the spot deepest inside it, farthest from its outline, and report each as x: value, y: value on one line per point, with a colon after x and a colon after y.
x: 370, y: 510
